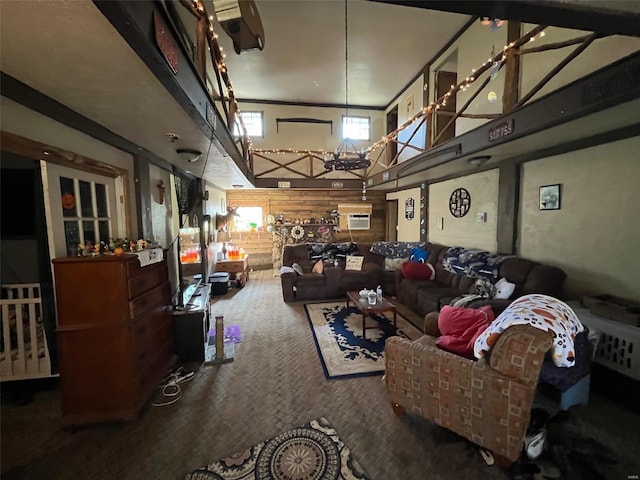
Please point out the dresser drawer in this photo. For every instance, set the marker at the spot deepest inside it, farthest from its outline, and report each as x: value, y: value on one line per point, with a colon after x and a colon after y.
x: 159, y: 296
x: 149, y: 334
x: 145, y: 281
x: 150, y: 376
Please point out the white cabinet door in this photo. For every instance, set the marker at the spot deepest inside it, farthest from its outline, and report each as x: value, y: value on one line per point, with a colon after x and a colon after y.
x: 81, y: 208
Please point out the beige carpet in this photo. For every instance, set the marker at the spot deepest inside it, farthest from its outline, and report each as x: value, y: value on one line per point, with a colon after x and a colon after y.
x: 275, y: 383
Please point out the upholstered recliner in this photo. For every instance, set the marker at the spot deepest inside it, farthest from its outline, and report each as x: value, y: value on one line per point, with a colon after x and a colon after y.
x: 487, y: 401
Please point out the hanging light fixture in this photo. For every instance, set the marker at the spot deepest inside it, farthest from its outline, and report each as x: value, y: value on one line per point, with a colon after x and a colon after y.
x: 345, y: 156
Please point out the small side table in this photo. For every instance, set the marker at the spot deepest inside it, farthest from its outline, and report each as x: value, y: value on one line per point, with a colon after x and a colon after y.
x: 238, y: 269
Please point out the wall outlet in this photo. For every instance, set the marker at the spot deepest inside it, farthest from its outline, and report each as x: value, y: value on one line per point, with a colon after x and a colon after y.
x: 481, y: 217
x: 441, y: 223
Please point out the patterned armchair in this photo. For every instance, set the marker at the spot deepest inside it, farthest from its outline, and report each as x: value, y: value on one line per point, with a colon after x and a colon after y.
x: 486, y: 401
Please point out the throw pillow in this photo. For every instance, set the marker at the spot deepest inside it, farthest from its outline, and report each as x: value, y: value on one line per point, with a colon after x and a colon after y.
x: 418, y: 271
x: 391, y: 264
x: 318, y: 267
x: 460, y: 326
x: 504, y: 289
x: 419, y: 255
x: 354, y: 263
x: 297, y: 268
x: 285, y: 269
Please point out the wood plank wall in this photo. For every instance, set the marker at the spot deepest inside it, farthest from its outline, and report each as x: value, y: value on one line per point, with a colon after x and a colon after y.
x: 302, y: 204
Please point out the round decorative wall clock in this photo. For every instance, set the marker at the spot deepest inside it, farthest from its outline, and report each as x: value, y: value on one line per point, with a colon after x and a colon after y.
x: 459, y: 202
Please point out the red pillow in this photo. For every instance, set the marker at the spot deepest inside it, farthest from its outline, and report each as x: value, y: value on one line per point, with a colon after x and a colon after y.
x: 418, y: 271
x: 460, y: 326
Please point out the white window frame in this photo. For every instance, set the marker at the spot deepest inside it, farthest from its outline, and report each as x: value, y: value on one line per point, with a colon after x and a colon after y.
x: 359, y: 121
x: 248, y: 119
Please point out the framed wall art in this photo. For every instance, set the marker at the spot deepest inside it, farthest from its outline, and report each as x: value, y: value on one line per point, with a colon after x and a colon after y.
x: 550, y: 197
x: 460, y: 202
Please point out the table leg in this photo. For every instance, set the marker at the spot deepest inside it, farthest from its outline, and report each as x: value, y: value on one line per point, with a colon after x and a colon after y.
x: 364, y: 329
x: 395, y: 323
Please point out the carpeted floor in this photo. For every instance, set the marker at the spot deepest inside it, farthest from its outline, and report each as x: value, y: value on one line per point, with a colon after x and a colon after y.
x: 275, y: 383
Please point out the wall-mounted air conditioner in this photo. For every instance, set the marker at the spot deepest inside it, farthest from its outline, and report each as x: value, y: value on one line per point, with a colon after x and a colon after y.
x: 358, y: 221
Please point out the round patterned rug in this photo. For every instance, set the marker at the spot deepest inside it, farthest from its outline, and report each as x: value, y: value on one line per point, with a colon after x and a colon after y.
x: 311, y: 452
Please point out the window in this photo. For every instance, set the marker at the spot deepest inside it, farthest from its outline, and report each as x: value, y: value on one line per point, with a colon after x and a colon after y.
x: 252, y: 122
x: 85, y: 210
x: 248, y: 219
x: 355, y: 128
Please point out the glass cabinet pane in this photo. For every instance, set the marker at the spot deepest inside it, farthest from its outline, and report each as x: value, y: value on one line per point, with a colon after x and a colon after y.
x: 101, y: 201
x: 86, y: 203
x: 72, y: 237
x: 68, y: 197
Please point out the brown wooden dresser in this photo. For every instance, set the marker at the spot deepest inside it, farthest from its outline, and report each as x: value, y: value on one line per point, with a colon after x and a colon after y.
x: 115, y: 340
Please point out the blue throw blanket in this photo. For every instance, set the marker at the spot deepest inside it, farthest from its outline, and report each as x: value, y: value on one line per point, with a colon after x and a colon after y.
x: 473, y: 263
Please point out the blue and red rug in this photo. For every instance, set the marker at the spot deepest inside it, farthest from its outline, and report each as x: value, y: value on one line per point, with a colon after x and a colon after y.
x: 337, y: 331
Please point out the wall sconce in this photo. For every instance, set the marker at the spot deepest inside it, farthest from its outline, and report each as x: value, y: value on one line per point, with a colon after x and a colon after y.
x: 189, y: 155
x: 479, y: 161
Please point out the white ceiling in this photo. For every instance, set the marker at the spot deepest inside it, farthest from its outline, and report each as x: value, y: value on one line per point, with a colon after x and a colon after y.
x: 303, y: 59
x: 67, y: 50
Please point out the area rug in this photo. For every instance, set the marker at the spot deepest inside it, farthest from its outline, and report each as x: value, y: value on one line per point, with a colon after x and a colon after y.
x: 311, y: 452
x: 337, y: 331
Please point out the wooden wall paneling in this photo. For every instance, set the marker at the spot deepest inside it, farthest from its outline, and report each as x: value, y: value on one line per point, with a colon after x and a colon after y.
x: 303, y: 204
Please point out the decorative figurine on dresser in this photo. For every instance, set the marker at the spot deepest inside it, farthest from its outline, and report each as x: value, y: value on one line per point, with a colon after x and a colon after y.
x: 115, y: 336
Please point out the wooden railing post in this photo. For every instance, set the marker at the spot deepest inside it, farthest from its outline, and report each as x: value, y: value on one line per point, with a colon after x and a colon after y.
x: 512, y: 70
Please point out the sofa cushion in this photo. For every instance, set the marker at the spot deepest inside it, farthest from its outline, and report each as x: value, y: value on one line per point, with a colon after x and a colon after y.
x: 460, y: 326
x: 418, y: 271
x: 391, y: 264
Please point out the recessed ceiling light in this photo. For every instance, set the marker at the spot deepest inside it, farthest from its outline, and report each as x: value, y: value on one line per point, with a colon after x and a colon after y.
x: 237, y: 186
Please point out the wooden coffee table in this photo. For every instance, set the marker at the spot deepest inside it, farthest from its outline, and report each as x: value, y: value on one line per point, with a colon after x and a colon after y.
x: 381, y: 306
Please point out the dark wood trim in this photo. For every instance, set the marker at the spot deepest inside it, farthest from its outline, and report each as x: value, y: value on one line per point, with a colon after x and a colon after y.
x: 309, y: 183
x: 33, y: 99
x: 311, y: 104
x: 508, y: 206
x: 610, y: 86
x: 602, y: 19
x: 143, y: 200
x: 427, y: 66
x: 134, y: 20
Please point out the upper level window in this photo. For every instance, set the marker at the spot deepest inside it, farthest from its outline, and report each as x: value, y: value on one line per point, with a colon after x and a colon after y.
x: 252, y: 122
x: 355, y: 128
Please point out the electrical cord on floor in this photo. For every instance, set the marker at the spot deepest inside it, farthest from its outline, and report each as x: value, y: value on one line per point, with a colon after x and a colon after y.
x: 170, y: 386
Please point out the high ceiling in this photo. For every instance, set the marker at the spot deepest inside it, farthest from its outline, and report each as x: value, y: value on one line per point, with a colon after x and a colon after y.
x: 69, y: 52
x: 305, y: 56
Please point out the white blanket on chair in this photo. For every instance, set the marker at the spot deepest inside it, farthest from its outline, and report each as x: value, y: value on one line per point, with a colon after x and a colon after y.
x: 540, y: 311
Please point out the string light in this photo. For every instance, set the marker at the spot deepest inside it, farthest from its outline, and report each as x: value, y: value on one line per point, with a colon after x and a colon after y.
x: 433, y: 106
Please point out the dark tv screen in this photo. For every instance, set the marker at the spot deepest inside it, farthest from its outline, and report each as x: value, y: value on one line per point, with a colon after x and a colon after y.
x: 18, y: 207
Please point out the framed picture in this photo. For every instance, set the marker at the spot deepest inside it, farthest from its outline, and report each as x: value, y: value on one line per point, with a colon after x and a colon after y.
x: 550, y: 197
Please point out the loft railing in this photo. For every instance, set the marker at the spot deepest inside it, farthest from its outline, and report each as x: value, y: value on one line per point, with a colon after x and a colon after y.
x: 386, y: 152
x: 203, y: 46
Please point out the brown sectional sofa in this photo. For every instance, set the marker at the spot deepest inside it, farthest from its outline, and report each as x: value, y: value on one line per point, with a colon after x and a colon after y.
x: 333, y: 282
x: 425, y: 296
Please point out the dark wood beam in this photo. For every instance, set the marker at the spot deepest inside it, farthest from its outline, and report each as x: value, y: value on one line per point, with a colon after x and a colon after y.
x: 604, y: 18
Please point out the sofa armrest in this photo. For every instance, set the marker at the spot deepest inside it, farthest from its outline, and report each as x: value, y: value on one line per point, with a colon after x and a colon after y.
x: 519, y: 353
x: 288, y: 280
